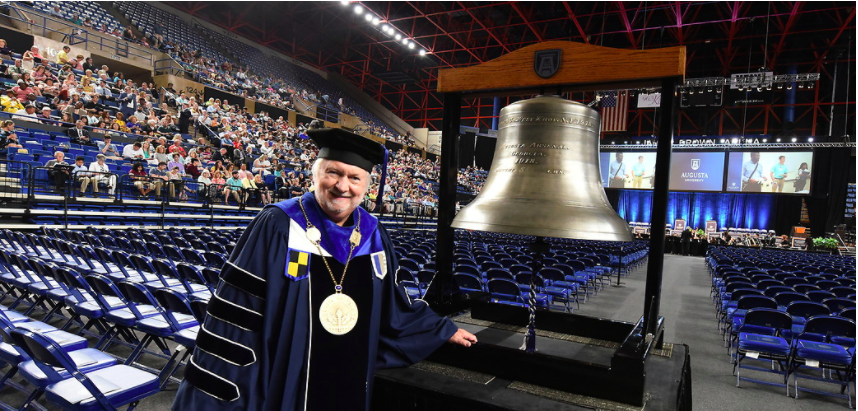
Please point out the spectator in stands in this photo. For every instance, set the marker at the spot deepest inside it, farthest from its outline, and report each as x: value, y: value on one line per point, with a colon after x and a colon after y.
x: 234, y: 186
x: 79, y: 135
x: 34, y: 52
x: 48, y: 88
x: 103, y: 90
x: 76, y: 19
x: 262, y: 166
x: 45, y: 116
x: 16, y: 71
x: 160, y: 176
x: 24, y: 89
x: 128, y: 34
x: 161, y: 155
x: 63, y: 56
x: 28, y: 113
x: 177, y: 148
x: 193, y: 169
x: 92, y: 118
x: 218, y: 186
x: 5, y: 51
x: 176, y: 163
x: 58, y: 171
x: 101, y: 174
x: 184, y: 118
x: 133, y: 151
x: 81, y: 174
x: 8, y: 141
x: 107, y: 148
x: 262, y: 190
x: 10, y: 103
x: 41, y: 74
x: 87, y: 65
x: 204, y: 180
x: 138, y: 174
x: 177, y: 184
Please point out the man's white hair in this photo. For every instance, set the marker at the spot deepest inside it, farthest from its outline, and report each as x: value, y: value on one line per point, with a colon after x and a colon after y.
x: 316, y: 168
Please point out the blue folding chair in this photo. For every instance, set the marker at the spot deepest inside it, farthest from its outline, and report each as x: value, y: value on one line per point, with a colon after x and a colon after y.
x: 103, y: 389
x: 760, y: 338
x: 825, y: 344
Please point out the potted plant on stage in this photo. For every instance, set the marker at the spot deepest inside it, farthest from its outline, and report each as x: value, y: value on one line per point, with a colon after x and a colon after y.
x: 825, y: 245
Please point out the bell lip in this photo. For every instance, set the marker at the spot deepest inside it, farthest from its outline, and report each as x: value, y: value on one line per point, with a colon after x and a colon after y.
x: 624, y: 237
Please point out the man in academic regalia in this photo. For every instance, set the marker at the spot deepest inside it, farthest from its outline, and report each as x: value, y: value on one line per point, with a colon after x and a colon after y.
x: 308, y: 306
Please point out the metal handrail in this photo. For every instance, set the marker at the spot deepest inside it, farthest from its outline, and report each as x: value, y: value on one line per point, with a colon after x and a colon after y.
x: 76, y: 32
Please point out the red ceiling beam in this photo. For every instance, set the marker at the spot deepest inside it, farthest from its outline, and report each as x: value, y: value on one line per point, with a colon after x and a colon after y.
x: 526, y: 21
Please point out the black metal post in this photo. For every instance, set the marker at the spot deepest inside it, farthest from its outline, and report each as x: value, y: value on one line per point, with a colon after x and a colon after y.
x: 440, y: 289
x: 655, y: 265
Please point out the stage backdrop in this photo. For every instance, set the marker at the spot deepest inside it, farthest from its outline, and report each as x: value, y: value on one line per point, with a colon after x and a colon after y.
x: 761, y: 211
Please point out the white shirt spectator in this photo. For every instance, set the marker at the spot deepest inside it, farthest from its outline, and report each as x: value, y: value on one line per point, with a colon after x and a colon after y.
x: 24, y: 116
x: 130, y: 153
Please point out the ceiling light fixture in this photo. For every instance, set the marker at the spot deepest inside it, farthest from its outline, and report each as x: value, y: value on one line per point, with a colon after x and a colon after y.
x: 344, y: 3
x: 405, y: 41
x: 397, y: 36
x: 411, y: 45
x: 368, y: 17
x: 375, y: 21
x: 422, y: 52
x: 358, y: 9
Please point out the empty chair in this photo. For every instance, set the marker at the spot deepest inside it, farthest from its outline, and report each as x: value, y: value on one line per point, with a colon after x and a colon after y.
x: 821, y: 344
x: 761, y: 334
x: 467, y: 283
x: 105, y: 388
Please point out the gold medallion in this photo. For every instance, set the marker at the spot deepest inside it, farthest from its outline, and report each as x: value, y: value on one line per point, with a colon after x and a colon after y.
x: 338, y: 314
x: 314, y: 235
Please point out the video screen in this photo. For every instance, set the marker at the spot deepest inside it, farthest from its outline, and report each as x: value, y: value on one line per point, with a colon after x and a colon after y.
x: 697, y: 171
x: 634, y: 170
x: 785, y: 172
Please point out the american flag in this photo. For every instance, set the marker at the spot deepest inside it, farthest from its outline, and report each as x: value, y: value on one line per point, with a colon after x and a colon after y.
x: 615, y: 108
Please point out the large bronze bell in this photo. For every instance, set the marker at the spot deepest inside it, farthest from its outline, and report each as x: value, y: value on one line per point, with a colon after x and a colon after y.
x: 544, y: 179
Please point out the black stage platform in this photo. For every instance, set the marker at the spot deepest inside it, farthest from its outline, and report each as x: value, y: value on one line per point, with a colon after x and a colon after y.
x: 433, y: 386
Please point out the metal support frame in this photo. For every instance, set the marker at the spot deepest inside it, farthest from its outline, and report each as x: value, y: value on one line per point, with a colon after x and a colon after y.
x: 655, y: 265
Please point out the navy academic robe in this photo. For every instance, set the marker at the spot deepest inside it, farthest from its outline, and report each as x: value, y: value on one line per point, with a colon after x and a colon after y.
x: 262, y: 338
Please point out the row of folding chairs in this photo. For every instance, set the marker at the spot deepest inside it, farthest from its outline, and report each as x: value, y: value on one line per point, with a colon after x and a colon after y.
x: 824, y: 351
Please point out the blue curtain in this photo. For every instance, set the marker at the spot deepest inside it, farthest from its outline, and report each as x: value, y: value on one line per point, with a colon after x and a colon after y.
x: 728, y: 209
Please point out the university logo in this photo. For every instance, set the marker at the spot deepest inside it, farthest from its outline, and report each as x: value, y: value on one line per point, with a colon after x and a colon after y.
x: 546, y: 62
x: 695, y: 163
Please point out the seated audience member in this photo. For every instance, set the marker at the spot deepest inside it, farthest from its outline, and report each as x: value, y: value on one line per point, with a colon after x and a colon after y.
x: 177, y: 185
x: 63, y: 56
x: 10, y: 103
x: 177, y: 163
x: 28, y: 113
x: 138, y: 174
x: 262, y: 190
x: 133, y: 151
x: 160, y: 155
x: 205, y: 182
x: 79, y: 135
x: 5, y: 51
x: 9, y: 141
x: 16, y: 70
x: 160, y: 176
x: 59, y: 171
x: 101, y: 174
x: 217, y: 185
x: 81, y: 174
x: 45, y: 116
x: 193, y: 169
x: 176, y: 148
x: 234, y: 186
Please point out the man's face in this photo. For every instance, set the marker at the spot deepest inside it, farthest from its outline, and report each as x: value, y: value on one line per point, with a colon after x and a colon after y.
x: 162, y: 167
x: 78, y: 162
x: 782, y: 159
x: 640, y: 160
x: 340, y: 188
x: 755, y: 157
x: 619, y: 157
x: 60, y: 156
